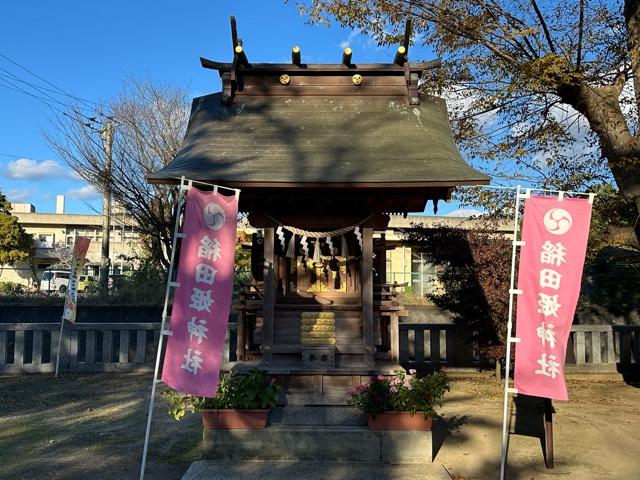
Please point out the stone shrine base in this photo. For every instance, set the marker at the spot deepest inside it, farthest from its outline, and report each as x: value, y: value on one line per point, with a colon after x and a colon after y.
x: 316, y: 442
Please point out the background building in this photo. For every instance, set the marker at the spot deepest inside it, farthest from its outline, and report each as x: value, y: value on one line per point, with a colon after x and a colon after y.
x: 53, y: 236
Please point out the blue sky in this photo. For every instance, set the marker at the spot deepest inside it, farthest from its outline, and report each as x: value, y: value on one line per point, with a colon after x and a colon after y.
x: 90, y: 48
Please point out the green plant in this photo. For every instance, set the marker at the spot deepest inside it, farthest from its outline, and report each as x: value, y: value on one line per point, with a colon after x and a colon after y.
x: 250, y: 391
x: 12, y: 288
x: 402, y: 393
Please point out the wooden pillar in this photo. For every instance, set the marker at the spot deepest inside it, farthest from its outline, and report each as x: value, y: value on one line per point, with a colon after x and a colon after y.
x: 394, y: 338
x: 367, y: 293
x: 548, y: 433
x: 241, y: 322
x: 382, y: 259
x: 269, y: 294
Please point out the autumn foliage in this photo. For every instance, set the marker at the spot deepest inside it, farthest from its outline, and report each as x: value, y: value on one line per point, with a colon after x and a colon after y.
x: 476, y: 268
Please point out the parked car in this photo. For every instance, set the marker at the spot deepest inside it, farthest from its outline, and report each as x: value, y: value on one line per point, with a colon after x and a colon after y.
x: 87, y: 284
x: 55, y: 281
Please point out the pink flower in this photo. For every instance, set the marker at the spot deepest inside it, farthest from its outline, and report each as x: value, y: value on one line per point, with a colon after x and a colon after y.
x: 360, y: 387
x: 380, y: 378
x: 393, y: 389
x: 407, y: 384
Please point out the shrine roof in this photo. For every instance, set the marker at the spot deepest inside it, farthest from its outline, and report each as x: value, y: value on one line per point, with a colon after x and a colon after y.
x: 315, y: 140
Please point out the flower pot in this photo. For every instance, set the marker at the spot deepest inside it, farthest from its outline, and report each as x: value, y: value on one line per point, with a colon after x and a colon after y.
x: 399, y: 421
x: 234, y: 418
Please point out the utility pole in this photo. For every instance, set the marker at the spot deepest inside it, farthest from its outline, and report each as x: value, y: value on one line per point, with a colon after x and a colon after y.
x: 107, y: 141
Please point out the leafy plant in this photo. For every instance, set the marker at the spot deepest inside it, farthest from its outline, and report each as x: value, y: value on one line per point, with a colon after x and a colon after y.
x: 402, y: 393
x: 250, y: 391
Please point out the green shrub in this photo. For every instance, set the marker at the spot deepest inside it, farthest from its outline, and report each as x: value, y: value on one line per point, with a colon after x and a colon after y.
x: 251, y: 391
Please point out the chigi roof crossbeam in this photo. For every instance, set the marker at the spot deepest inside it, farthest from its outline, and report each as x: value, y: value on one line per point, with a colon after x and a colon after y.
x: 242, y: 77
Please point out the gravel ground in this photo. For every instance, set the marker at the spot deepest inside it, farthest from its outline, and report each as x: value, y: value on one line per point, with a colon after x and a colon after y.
x: 92, y: 427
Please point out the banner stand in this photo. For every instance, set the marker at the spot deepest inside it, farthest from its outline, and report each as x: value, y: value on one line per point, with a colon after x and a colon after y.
x: 80, y: 247
x: 59, y: 345
x: 513, y: 291
x: 184, y: 186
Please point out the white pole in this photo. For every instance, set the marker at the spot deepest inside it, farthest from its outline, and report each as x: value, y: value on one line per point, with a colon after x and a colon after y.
x: 170, y: 283
x: 512, y: 292
x: 59, y: 345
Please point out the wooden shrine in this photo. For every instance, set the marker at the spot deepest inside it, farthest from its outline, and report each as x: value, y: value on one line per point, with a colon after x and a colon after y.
x: 323, y: 153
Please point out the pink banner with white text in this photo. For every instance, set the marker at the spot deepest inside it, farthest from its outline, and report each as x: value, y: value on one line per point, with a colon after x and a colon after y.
x: 555, y: 233
x: 203, y: 296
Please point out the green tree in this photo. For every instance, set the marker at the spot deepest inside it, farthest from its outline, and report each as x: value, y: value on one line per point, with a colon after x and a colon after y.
x: 543, y: 89
x: 15, y: 244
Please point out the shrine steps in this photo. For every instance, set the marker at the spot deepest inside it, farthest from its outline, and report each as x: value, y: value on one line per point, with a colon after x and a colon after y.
x: 277, y: 470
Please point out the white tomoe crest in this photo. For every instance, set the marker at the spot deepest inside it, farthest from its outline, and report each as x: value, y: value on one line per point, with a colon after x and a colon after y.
x: 214, y: 216
x: 557, y: 221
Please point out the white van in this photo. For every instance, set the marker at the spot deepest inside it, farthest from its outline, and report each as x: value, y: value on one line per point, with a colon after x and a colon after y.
x: 55, y: 281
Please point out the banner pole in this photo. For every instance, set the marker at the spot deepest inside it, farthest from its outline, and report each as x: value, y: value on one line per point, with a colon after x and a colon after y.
x: 59, y: 345
x: 512, y: 293
x: 176, y: 235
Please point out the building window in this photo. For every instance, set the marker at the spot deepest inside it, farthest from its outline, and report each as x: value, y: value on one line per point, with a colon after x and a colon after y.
x: 424, y: 275
x: 44, y: 240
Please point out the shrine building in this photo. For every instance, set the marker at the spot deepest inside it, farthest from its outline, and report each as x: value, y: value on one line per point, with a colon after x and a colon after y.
x: 323, y: 154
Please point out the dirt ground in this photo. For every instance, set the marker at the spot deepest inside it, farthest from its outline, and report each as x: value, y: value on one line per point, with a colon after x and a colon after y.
x: 92, y: 427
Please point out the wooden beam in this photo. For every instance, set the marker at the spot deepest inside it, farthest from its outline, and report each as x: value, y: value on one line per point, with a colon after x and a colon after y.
x: 407, y: 37
x: 269, y: 294
x: 367, y: 293
x: 241, y: 56
x: 346, y: 56
x: 382, y: 68
x: 401, y: 57
x: 295, y: 56
x: 234, y: 32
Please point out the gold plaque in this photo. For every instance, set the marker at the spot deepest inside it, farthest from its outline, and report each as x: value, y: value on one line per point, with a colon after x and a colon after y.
x: 284, y: 79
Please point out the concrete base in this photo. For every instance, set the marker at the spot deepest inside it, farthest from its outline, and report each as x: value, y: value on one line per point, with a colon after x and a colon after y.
x: 319, y: 443
x: 210, y: 470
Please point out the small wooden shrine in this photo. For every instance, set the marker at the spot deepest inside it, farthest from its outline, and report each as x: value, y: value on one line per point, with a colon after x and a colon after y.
x: 323, y: 154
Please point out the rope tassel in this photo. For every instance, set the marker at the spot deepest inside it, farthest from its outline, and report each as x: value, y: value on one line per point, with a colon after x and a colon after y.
x: 344, y: 249
x: 291, y: 249
x: 316, y: 251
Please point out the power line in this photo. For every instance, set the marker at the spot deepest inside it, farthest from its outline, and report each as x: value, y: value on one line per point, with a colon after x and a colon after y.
x: 80, y: 99
x: 9, y: 155
x: 89, y: 105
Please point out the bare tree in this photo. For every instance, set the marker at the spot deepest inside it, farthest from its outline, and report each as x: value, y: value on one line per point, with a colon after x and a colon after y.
x: 150, y: 121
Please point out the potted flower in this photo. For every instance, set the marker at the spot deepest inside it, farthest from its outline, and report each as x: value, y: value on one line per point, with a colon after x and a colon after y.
x: 402, y: 402
x: 243, y: 400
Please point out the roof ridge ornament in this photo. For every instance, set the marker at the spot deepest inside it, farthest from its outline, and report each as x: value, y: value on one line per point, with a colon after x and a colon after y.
x: 396, y: 79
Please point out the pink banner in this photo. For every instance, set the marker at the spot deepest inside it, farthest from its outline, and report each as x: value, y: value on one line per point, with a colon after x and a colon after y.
x: 555, y: 236
x: 80, y: 247
x: 203, y: 298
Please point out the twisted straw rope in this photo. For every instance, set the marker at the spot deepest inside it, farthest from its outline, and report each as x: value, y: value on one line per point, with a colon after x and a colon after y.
x: 310, y: 234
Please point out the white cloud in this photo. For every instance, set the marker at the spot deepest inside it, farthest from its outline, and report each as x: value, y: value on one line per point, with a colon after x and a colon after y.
x: 20, y: 195
x: 25, y: 168
x: 464, y: 212
x: 347, y: 42
x: 83, y: 193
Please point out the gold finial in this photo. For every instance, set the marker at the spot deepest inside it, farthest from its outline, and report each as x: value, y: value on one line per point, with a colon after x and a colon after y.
x: 357, y: 79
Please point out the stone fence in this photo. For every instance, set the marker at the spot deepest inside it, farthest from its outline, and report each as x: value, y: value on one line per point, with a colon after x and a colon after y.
x: 106, y: 347
x: 591, y: 348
